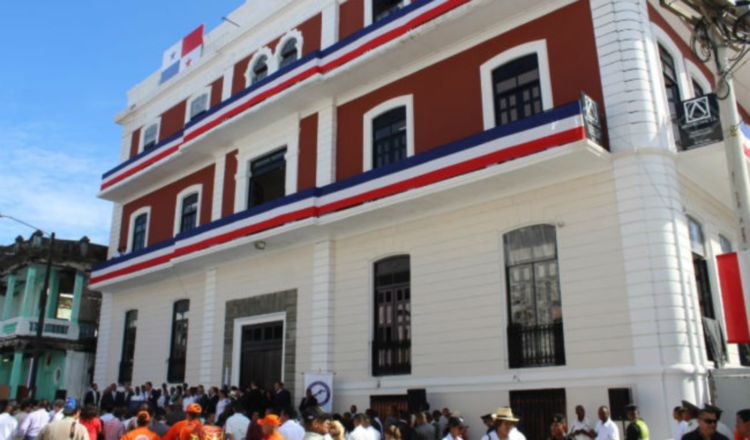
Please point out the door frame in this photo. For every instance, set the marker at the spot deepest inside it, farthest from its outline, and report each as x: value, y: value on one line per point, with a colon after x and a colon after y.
x: 238, y: 324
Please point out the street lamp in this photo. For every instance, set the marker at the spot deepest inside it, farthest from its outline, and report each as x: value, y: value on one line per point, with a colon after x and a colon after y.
x: 36, y: 242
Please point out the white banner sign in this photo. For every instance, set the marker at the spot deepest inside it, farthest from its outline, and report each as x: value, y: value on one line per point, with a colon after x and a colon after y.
x: 321, y: 386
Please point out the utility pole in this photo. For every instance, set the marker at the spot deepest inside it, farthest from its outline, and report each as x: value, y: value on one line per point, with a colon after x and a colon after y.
x: 38, y: 340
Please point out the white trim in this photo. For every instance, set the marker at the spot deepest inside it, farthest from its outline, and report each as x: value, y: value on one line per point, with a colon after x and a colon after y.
x: 131, y: 223
x: 239, y: 323
x: 294, y: 34
x: 400, y: 101
x: 538, y: 47
x: 142, y: 143
x: 368, y: 10
x: 206, y: 91
x: 696, y: 74
x: 197, y: 188
x: 270, y: 63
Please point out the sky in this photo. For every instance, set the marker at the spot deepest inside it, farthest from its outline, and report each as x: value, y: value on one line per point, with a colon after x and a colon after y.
x: 65, y: 69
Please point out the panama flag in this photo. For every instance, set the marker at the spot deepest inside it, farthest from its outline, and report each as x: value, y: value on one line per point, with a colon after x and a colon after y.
x: 734, y: 277
x: 182, y: 55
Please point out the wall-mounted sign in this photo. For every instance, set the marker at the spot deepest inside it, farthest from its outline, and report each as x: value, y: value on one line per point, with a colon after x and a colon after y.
x: 700, y: 123
x: 591, y: 121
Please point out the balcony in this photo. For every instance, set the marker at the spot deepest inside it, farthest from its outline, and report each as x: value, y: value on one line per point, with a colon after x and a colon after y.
x: 536, y: 345
x: 53, y: 329
x: 410, y: 34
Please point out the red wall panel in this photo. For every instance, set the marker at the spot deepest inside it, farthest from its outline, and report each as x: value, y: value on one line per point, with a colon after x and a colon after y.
x: 163, y: 203
x: 351, y: 17
x: 172, y: 120
x: 216, y: 89
x: 230, y: 171
x: 135, y: 140
x: 308, y: 145
x: 447, y: 95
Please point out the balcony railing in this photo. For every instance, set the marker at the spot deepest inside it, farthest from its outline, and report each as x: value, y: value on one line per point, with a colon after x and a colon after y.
x: 536, y: 346
x: 391, y: 358
x: 53, y: 328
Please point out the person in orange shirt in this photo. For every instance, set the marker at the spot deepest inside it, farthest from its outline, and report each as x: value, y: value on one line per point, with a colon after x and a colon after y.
x: 143, y: 419
x: 270, y: 426
x: 189, y: 429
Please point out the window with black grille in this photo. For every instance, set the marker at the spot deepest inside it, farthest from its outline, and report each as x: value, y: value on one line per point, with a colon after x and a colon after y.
x: 189, y: 213
x: 391, y: 347
x: 259, y: 70
x: 672, y: 89
x: 389, y: 137
x: 517, y: 90
x: 178, y: 346
x: 140, y: 226
x: 288, y: 53
x: 384, y: 8
x: 128, y: 346
x: 535, y: 336
x: 267, y: 178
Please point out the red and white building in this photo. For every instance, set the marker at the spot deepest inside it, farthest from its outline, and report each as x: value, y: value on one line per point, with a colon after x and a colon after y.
x: 405, y: 194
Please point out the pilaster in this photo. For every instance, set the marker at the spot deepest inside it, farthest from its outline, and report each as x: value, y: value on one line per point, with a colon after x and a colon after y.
x: 16, y: 373
x: 54, y: 293
x: 326, y: 157
x: 207, y: 332
x: 29, y: 292
x: 322, y: 306
x: 103, y: 342
x: 9, y: 292
x: 78, y: 286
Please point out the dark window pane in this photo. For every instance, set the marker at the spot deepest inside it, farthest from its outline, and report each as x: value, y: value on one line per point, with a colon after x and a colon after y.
x: 392, y: 343
x: 267, y: 178
x: 288, y: 53
x: 189, y: 214
x: 389, y: 137
x: 260, y: 69
x: 672, y: 90
x: 140, y: 226
x: 128, y: 346
x: 149, y: 136
x: 383, y: 8
x: 178, y: 346
x: 517, y: 90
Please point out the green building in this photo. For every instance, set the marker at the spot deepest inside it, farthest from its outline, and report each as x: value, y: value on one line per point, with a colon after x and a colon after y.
x: 68, y: 342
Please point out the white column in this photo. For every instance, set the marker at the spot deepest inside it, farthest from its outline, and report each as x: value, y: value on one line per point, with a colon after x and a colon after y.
x: 330, y: 24
x: 326, y: 157
x: 322, y: 306
x: 102, y: 362
x: 218, y: 195
x: 629, y: 74
x: 207, y: 332
x: 115, y: 229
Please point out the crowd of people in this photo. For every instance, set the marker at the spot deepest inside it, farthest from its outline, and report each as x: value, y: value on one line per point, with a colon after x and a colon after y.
x: 192, y: 413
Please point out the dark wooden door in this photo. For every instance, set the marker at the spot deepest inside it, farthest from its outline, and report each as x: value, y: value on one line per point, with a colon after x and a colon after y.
x: 535, y: 408
x: 261, y: 358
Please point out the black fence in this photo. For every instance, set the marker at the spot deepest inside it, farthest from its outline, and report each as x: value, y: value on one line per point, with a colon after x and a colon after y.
x: 536, y: 346
x: 390, y: 358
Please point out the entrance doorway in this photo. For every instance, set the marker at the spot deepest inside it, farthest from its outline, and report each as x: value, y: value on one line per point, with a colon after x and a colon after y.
x: 535, y: 408
x: 261, y: 355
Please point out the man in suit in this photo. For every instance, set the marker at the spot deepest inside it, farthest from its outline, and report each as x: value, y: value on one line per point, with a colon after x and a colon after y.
x: 92, y: 396
x: 281, y: 396
x: 107, y: 399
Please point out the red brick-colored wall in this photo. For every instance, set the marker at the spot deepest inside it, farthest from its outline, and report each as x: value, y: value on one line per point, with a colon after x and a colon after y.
x: 135, y: 140
x: 163, y: 203
x: 172, y: 120
x: 216, y: 89
x: 308, y: 145
x: 230, y: 171
x: 351, y: 17
x: 447, y: 95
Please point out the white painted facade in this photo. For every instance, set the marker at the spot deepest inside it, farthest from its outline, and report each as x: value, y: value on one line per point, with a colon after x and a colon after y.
x: 629, y: 302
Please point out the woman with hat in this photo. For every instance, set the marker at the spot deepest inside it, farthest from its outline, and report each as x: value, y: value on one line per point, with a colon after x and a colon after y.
x: 505, y: 425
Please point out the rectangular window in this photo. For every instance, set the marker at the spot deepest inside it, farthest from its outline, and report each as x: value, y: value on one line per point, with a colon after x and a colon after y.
x: 267, y: 178
x: 140, y: 226
x: 189, y: 213
x: 384, y: 8
x: 198, y: 106
x: 128, y: 346
x: 178, y: 346
x: 517, y: 90
x: 672, y: 88
x: 389, y: 137
x: 535, y: 332
x: 150, y: 136
x: 391, y: 347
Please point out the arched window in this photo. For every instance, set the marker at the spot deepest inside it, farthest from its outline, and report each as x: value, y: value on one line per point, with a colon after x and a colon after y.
x: 139, y: 228
x: 178, y: 345
x: 388, y: 133
x: 391, y: 345
x: 535, y: 336
x: 128, y: 346
x: 259, y: 69
x: 289, y: 53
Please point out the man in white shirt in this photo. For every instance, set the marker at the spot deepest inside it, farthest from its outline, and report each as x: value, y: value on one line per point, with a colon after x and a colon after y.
x: 8, y: 423
x: 290, y: 429
x: 581, y: 428
x: 57, y: 410
x: 33, y: 424
x: 360, y: 430
x: 606, y: 428
x: 372, y: 430
x: 237, y: 424
x: 223, y: 403
x: 678, y: 424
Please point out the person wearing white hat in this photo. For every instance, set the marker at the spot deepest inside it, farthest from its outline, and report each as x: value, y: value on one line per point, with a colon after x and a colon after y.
x: 505, y: 424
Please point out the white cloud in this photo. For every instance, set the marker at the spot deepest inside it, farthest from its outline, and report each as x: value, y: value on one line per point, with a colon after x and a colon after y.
x: 51, y: 182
